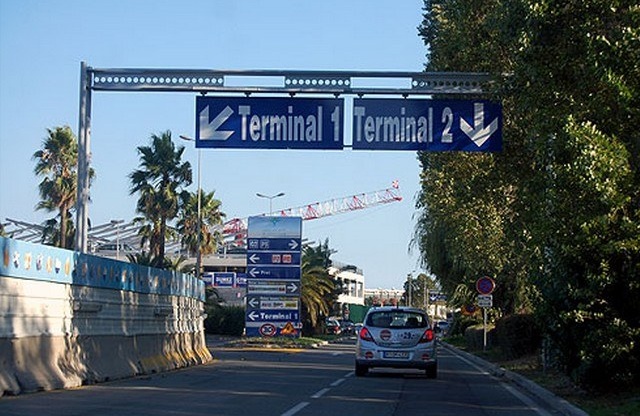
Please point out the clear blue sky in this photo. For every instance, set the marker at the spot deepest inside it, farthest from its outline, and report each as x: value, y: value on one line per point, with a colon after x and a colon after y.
x: 42, y: 43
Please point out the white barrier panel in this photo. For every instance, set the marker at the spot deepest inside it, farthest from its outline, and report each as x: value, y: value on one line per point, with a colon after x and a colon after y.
x: 68, y: 319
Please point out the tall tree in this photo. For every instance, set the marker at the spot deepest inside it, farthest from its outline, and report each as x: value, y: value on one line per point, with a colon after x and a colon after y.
x: 160, y: 182
x: 57, y: 163
x: 560, y: 207
x: 317, y: 292
x: 211, y: 219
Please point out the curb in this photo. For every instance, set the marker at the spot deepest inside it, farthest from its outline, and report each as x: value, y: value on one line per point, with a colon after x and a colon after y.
x: 553, y: 401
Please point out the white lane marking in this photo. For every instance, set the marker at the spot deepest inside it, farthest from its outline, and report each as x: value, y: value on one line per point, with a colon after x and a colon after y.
x: 320, y: 393
x: 295, y: 409
x: 526, y: 400
x: 523, y: 398
x: 337, y: 382
x: 349, y: 374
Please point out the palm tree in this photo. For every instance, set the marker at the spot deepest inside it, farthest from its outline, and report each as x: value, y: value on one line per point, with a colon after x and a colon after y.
x: 211, y: 217
x: 159, y: 182
x: 317, y: 292
x: 57, y: 163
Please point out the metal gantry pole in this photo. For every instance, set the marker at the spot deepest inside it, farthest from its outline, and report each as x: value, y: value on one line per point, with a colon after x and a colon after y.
x: 84, y: 152
x: 199, y: 234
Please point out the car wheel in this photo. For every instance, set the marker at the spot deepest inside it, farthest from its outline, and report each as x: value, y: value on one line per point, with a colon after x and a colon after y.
x: 432, y: 371
x: 361, y: 370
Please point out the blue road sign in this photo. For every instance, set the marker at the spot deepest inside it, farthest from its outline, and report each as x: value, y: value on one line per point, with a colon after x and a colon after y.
x: 269, y: 123
x: 273, y: 272
x: 275, y: 315
x: 275, y: 258
x: 223, y: 279
x: 429, y: 125
x: 274, y: 244
x: 274, y: 253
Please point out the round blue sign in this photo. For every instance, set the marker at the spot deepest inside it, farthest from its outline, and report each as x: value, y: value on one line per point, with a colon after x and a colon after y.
x: 485, y: 285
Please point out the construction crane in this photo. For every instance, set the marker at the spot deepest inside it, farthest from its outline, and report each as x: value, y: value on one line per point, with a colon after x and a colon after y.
x: 236, y: 228
x: 234, y: 231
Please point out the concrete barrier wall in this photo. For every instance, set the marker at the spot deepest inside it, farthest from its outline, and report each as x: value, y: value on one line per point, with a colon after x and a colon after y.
x: 68, y: 319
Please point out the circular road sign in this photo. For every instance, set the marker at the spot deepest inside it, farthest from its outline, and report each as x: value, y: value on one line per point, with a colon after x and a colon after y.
x: 485, y: 285
x: 268, y: 330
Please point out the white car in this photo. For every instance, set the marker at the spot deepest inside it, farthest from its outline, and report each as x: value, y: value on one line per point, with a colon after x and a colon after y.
x: 398, y: 337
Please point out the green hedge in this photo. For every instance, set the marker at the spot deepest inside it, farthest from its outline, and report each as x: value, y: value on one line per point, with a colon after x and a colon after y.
x: 474, y: 337
x: 225, y: 320
x: 517, y: 336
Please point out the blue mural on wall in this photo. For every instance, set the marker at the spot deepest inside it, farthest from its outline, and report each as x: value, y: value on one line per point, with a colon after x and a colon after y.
x: 39, y: 262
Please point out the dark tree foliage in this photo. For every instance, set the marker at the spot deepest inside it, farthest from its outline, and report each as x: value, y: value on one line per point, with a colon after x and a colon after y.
x: 555, y: 217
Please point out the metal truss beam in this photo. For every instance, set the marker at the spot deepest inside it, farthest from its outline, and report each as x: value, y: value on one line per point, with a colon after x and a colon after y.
x: 288, y: 82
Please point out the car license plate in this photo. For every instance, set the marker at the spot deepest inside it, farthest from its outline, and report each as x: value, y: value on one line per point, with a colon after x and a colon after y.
x: 396, y: 354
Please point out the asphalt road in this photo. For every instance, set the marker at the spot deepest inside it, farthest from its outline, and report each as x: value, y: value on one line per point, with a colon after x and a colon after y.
x: 286, y: 383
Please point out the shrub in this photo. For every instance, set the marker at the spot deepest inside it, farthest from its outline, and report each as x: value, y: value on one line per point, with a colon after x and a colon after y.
x: 225, y: 320
x: 474, y: 337
x: 517, y: 335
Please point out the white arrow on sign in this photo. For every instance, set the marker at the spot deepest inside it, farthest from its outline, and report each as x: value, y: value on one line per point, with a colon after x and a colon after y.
x: 254, y: 258
x: 293, y: 244
x: 253, y: 302
x: 254, y: 315
x: 209, y: 130
x: 478, y: 133
x: 253, y: 272
x: 292, y: 287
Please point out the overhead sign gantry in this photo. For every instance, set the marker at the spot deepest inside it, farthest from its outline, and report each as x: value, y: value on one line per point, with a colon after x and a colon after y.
x: 291, y: 122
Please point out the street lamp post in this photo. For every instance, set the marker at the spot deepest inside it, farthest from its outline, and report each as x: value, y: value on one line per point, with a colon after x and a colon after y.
x: 199, y: 213
x: 270, y: 198
x: 117, y: 223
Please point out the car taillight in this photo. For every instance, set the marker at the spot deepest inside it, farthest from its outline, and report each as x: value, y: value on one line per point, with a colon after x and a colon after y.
x: 427, y: 336
x: 365, y: 335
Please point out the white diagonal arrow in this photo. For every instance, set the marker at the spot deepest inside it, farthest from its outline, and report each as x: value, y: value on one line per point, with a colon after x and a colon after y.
x: 209, y: 130
x: 478, y: 133
x: 293, y: 244
x: 254, y: 258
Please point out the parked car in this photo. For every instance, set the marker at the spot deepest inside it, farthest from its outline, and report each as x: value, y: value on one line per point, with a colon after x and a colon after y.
x: 347, y: 326
x: 333, y: 326
x: 398, y: 337
x: 441, y: 327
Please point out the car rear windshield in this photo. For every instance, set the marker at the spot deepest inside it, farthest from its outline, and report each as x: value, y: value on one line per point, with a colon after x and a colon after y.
x: 397, y: 319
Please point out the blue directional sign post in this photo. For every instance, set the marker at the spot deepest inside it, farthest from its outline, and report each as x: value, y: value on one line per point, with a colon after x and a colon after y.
x: 274, y: 251
x: 269, y: 123
x: 428, y: 125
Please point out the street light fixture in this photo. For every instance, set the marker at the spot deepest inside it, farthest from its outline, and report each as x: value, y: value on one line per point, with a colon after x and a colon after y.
x: 199, y: 213
x: 117, y: 223
x: 270, y: 198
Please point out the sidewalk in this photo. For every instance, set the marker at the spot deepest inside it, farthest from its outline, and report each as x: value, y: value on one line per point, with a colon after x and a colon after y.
x: 555, y: 402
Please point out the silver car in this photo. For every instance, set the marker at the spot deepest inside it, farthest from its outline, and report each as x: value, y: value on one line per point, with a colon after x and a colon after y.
x: 398, y: 337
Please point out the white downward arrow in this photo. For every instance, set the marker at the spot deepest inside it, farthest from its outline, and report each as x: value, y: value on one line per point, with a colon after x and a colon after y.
x: 209, y: 130
x: 478, y: 133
